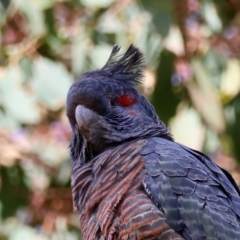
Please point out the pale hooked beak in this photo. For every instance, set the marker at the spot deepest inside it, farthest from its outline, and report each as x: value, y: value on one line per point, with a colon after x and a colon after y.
x: 85, y: 117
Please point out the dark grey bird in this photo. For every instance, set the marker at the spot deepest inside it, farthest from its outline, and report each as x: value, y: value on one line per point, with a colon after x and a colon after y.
x: 130, y: 180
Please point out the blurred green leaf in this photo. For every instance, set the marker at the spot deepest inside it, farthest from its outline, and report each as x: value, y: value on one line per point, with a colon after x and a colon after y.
x: 17, y: 102
x: 205, y: 99
x: 51, y: 82
x: 64, y: 173
x: 14, y: 193
x: 79, y: 55
x: 151, y: 46
x: 161, y: 12
x: 64, y: 235
x: 164, y: 98
x: 230, y: 81
x: 209, y: 107
x: 34, y: 15
x: 26, y: 233
x: 225, y: 12
x: 36, y: 177
x: 109, y: 24
x: 5, y: 3
x: 174, y: 41
x: 99, y: 55
x: 7, y: 122
x: 211, y: 16
x: 25, y: 64
x: 203, y: 76
x: 212, y: 142
x: 2, y: 20
x: 186, y: 126
x: 51, y: 153
x: 45, y: 4
x: 97, y: 4
x: 215, y: 63
x: 233, y: 117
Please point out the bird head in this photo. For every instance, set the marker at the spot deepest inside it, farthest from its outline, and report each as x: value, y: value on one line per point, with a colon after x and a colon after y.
x: 105, y: 109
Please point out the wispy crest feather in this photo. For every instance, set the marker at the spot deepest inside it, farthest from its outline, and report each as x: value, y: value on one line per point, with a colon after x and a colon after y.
x: 130, y: 64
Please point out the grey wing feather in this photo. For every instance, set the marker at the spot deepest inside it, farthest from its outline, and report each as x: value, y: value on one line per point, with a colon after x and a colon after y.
x: 199, y: 199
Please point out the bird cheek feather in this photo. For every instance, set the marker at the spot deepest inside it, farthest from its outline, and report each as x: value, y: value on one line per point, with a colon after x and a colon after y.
x: 133, y: 113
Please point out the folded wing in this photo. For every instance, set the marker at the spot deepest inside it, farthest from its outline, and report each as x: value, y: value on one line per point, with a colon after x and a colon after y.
x: 200, y: 201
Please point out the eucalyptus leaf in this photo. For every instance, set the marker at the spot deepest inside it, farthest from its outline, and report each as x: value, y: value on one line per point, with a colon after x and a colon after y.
x: 79, y: 54
x: 26, y: 233
x: 64, y: 173
x: 161, y: 12
x: 150, y: 44
x: 99, y: 55
x: 109, y: 24
x: 164, y: 98
x: 17, y: 102
x: 211, y: 16
x: 212, y: 142
x: 215, y: 63
x: 203, y: 76
x: 208, y: 105
x: 51, y: 153
x: 34, y: 14
x: 3, y: 14
x: 66, y: 236
x: 13, y: 190
x: 97, y: 4
x: 233, y: 117
x: 186, y: 126
x: 174, y: 41
x: 7, y: 122
x: 5, y: 3
x: 230, y: 80
x: 51, y: 82
x: 205, y: 98
x: 45, y: 4
x: 25, y: 64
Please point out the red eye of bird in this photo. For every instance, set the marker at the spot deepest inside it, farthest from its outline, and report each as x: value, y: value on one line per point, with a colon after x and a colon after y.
x: 126, y: 100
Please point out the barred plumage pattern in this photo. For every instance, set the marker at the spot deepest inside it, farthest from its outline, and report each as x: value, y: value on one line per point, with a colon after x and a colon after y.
x: 199, y: 200
x: 109, y: 196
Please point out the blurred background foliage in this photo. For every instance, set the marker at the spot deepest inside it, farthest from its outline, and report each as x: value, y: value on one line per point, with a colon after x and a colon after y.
x: 192, y: 51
